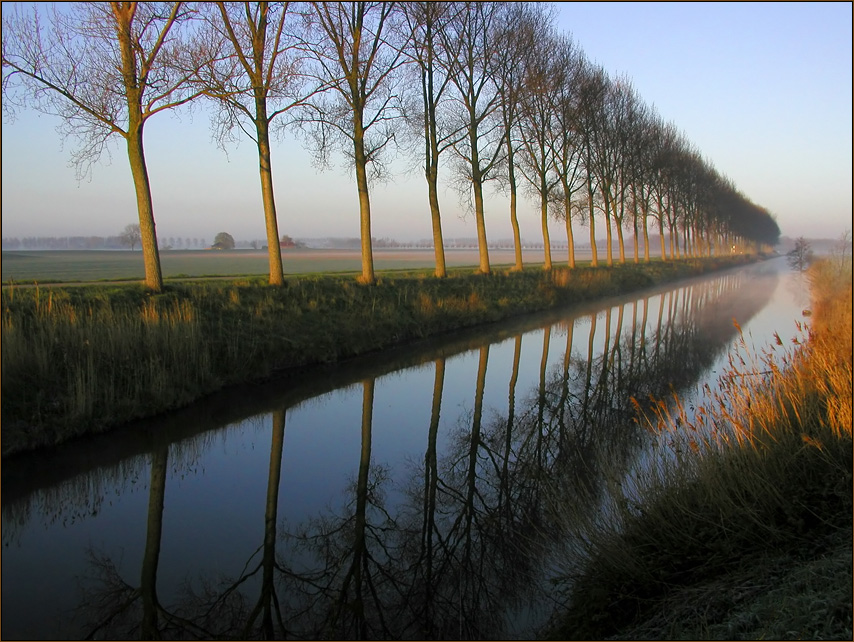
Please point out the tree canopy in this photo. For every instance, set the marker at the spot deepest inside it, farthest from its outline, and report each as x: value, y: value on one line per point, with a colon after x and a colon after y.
x: 224, y: 241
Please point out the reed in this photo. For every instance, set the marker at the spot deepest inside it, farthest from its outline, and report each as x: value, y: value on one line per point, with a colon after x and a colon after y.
x: 740, y: 525
x: 80, y: 360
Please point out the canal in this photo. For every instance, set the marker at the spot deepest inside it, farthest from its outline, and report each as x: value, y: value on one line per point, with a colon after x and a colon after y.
x: 411, y: 494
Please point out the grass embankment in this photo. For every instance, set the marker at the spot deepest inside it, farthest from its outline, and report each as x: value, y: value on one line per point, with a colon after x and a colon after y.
x: 744, y: 528
x: 84, y: 359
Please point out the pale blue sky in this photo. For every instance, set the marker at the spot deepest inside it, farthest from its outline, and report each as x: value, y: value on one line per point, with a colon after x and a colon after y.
x: 764, y: 90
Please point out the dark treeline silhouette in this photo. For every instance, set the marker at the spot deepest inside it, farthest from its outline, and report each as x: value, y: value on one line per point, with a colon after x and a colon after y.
x: 492, y: 90
x: 64, y: 243
x: 99, y: 243
x: 458, y: 541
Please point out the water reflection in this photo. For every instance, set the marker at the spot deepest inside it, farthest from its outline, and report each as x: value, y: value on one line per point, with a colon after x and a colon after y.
x: 441, y: 526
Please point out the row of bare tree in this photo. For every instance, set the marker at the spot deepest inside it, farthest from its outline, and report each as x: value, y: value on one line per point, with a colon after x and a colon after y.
x: 490, y: 88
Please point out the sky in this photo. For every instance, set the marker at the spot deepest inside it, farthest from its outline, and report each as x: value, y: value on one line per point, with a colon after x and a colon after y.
x: 763, y: 90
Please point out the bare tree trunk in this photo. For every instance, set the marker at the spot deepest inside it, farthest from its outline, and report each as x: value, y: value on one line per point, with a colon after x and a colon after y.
x: 595, y: 259
x: 619, y: 225
x: 635, y: 226
x: 436, y: 219
x: 645, y: 235
x: 544, y: 221
x: 514, y: 221
x: 483, y: 250
x: 368, y: 277
x: 609, y: 250
x: 477, y: 187
x: 670, y: 224
x: 266, y: 172
x: 570, y: 240
x: 145, y: 209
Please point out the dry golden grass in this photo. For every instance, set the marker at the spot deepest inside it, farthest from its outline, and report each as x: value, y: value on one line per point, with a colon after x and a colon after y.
x: 761, y: 472
x: 88, y: 358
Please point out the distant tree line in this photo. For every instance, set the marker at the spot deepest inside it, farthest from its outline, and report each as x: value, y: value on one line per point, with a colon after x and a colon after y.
x: 489, y: 92
x: 118, y: 242
x: 63, y: 243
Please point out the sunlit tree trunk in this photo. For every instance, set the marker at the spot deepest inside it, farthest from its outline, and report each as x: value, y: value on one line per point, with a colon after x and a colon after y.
x: 514, y: 220
x: 480, y: 221
x: 368, y: 277
x: 592, y: 219
x: 609, y: 250
x: 570, y: 239
x: 145, y: 209
x: 635, y: 226
x: 544, y: 223
x: 269, y: 202
x: 436, y: 220
x: 618, y: 222
x: 646, y: 234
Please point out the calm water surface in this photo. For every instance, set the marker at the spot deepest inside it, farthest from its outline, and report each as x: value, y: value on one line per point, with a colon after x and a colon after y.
x: 405, y: 495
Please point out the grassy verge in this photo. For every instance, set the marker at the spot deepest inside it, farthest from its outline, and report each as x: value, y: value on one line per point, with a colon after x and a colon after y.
x: 742, y: 528
x: 84, y: 359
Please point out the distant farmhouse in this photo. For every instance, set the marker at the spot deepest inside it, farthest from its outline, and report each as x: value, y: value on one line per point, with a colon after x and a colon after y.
x: 287, y: 242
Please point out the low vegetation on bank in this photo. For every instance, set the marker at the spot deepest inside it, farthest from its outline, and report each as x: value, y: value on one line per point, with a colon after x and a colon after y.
x: 740, y: 527
x: 85, y: 359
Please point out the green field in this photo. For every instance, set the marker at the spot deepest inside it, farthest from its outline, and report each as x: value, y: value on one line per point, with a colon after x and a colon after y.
x: 47, y: 266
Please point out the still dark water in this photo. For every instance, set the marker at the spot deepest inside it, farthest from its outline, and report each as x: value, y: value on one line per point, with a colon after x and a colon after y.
x: 405, y: 495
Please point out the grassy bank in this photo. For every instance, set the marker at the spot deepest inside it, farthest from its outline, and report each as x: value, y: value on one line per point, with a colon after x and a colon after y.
x: 89, y: 358
x: 743, y: 528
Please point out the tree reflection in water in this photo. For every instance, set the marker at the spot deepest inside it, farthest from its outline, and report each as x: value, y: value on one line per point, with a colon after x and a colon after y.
x: 463, y: 549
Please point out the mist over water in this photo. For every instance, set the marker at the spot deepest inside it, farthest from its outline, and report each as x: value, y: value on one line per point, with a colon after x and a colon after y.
x: 407, y: 495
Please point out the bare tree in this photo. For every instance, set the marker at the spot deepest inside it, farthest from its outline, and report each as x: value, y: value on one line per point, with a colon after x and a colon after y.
x: 609, y: 135
x: 355, y: 59
x: 567, y: 140
x: 103, y: 68
x: 514, y: 53
x: 538, y: 120
x: 667, y: 142
x: 801, y: 256
x: 424, y: 23
x: 593, y: 83
x: 254, y: 74
x: 130, y: 235
x: 472, y: 36
x: 644, y: 144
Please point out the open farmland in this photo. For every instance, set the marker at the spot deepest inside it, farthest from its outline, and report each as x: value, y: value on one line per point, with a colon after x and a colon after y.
x: 44, y: 266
